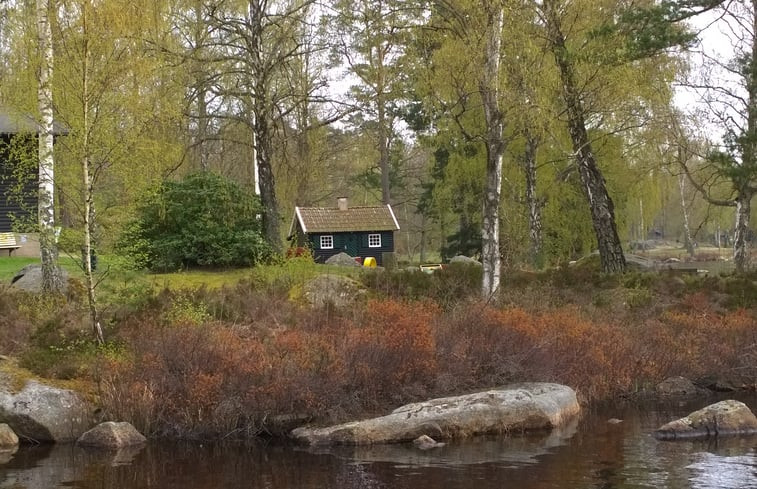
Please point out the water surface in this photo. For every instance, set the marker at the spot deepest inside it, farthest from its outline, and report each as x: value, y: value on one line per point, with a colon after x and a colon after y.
x: 590, y: 453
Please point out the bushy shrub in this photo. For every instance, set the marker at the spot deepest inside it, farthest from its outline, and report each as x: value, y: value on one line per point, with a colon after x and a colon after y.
x: 203, y: 220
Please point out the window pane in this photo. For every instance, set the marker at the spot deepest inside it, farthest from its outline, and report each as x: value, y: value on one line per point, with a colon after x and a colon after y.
x: 374, y: 240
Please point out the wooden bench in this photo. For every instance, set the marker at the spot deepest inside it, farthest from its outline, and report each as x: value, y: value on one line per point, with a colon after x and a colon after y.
x: 8, y: 242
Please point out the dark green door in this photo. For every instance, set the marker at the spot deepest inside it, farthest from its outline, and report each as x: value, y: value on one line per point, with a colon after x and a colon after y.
x: 351, y: 244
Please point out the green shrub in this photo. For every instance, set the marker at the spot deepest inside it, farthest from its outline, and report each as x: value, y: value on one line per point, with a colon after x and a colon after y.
x: 203, y: 220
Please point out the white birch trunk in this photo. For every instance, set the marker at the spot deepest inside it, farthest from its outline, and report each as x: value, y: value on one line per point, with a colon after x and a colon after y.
x: 495, y: 148
x: 88, y: 193
x: 741, y: 252
x: 688, y: 242
x: 51, y: 281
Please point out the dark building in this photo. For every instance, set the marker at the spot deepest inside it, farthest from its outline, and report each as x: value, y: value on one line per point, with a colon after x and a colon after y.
x: 358, y: 231
x: 18, y: 167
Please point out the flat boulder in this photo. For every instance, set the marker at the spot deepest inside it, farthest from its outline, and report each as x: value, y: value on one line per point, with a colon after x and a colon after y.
x: 41, y: 412
x: 724, y: 418
x: 511, y: 409
x: 112, y: 435
x: 8, y: 438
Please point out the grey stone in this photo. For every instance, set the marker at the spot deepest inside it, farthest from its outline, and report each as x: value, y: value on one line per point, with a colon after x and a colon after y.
x: 510, y: 409
x: 425, y: 442
x: 44, y: 413
x: 342, y: 260
x: 465, y: 259
x: 337, y: 290
x: 677, y: 386
x: 29, y: 278
x: 112, y: 435
x: 8, y: 438
x: 724, y: 418
x: 6, y: 455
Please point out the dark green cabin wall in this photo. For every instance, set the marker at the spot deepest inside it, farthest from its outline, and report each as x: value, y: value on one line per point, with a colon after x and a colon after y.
x: 23, y: 207
x: 341, y: 241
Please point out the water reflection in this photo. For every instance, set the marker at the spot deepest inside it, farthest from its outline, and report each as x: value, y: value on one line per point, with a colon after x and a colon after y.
x: 589, y: 454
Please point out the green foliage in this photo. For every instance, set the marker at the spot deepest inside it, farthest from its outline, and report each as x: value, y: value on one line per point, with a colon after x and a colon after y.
x: 455, y: 282
x: 651, y: 29
x: 203, y: 220
x: 185, y: 309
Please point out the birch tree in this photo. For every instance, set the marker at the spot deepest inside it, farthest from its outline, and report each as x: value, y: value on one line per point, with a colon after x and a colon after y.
x: 593, y: 182
x: 51, y: 278
x: 489, y: 86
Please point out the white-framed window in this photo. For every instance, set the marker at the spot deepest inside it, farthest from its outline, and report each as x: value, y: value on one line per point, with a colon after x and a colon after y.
x: 327, y: 242
x: 374, y: 241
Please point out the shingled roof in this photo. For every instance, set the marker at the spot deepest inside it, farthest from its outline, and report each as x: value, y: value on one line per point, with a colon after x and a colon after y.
x: 351, y: 219
x: 14, y: 122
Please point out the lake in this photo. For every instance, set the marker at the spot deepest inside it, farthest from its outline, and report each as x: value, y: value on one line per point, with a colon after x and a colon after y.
x: 590, y: 453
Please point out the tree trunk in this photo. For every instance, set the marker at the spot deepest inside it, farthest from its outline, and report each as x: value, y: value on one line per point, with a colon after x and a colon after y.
x: 688, y: 242
x: 89, y: 210
x: 532, y: 201
x: 262, y: 144
x: 51, y: 279
x: 741, y: 252
x: 495, y: 148
x: 593, y: 182
x: 264, y: 153
x: 383, y: 136
x: 201, y: 90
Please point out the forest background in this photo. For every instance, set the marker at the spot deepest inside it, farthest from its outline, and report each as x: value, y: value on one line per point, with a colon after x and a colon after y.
x: 154, y: 91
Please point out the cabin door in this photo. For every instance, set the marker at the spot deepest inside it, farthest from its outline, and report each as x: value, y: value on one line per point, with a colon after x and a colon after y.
x: 351, y: 244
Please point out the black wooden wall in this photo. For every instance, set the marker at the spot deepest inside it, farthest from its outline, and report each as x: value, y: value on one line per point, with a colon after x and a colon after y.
x: 17, y: 199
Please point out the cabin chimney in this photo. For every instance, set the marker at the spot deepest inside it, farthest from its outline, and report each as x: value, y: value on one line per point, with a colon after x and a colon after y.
x: 341, y: 203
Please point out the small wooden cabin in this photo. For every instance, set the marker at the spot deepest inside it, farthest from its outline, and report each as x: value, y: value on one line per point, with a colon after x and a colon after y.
x: 358, y: 231
x: 18, y: 134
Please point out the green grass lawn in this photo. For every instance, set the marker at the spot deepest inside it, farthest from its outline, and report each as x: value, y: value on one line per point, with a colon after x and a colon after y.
x: 111, y: 276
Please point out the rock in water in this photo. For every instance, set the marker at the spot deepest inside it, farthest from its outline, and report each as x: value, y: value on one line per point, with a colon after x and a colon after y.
x: 678, y: 386
x: 44, y: 413
x: 112, y: 435
x: 724, y: 418
x: 425, y: 442
x: 8, y: 438
x: 515, y: 408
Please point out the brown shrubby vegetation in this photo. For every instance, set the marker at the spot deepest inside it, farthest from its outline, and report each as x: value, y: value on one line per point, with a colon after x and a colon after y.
x: 241, y: 361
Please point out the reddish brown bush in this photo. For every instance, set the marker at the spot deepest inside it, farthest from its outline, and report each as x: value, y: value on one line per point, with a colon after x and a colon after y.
x: 219, y: 378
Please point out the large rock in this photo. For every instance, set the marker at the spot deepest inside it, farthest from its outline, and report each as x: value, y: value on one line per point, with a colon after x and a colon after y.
x: 515, y: 408
x: 342, y: 260
x: 112, y: 435
x: 29, y: 278
x: 44, y: 413
x: 8, y: 438
x: 332, y: 289
x: 723, y: 418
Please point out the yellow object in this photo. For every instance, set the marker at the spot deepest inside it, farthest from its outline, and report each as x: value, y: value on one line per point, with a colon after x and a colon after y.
x: 369, y: 262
